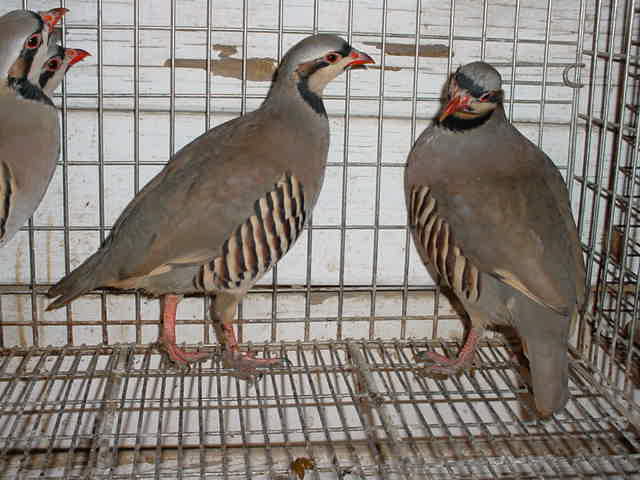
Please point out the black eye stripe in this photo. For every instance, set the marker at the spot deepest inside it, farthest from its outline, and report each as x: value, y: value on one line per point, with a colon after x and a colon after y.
x: 28, y: 54
x: 494, y: 97
x: 45, y: 77
x: 39, y: 20
x: 345, y: 50
x: 317, y: 66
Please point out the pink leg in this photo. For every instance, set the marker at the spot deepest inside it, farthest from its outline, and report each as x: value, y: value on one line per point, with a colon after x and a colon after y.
x: 516, y: 354
x: 245, y: 364
x: 447, y: 366
x: 169, y: 305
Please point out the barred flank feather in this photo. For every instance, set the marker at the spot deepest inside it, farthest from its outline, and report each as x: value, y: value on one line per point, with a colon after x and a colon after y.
x: 259, y: 242
x: 6, y: 194
x: 434, y: 234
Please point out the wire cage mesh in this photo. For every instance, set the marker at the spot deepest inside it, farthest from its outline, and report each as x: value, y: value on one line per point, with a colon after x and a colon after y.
x: 85, y: 392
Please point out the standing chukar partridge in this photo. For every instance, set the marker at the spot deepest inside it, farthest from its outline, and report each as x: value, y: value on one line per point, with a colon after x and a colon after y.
x: 227, y: 206
x: 491, y: 219
x: 57, y: 65
x: 29, y: 130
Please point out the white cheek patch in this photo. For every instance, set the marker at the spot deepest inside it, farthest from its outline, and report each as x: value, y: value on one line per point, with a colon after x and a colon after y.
x: 483, y: 107
x: 321, y: 77
x: 304, y: 69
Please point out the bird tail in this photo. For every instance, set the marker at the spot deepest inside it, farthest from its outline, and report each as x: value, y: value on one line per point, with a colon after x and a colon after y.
x: 83, y: 279
x: 549, y: 362
x: 545, y: 335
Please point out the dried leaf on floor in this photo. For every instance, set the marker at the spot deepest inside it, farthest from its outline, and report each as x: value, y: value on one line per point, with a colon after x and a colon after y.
x: 300, y: 465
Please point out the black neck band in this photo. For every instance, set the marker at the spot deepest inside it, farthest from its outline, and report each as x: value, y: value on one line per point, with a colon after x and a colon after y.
x: 312, y: 99
x: 456, y: 124
x: 29, y: 91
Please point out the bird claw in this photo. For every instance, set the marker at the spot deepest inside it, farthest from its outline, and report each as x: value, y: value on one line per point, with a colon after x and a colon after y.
x: 441, y: 365
x: 245, y: 366
x: 179, y: 357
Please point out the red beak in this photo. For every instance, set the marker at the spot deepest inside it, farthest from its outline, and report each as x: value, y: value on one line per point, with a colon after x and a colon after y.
x: 359, y: 58
x: 76, y: 55
x: 457, y: 103
x: 53, y: 16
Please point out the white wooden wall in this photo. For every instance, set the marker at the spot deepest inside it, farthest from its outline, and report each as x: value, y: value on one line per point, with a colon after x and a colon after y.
x: 367, y: 145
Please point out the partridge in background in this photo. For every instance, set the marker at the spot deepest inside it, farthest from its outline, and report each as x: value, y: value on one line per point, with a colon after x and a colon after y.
x: 29, y: 130
x: 24, y: 40
x: 57, y: 65
x: 227, y: 206
x: 491, y: 219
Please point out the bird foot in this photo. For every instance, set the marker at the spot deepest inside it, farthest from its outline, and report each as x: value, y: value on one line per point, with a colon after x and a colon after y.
x: 245, y: 365
x: 180, y: 357
x: 439, y: 364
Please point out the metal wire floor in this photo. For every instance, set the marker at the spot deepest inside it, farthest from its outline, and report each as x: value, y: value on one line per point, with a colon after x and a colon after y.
x: 358, y: 409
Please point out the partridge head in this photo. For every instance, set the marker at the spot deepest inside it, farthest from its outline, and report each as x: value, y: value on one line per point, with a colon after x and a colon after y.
x: 474, y: 92
x: 311, y: 64
x: 57, y: 65
x: 24, y: 39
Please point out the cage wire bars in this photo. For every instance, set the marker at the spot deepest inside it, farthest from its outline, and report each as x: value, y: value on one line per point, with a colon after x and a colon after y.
x: 83, y: 393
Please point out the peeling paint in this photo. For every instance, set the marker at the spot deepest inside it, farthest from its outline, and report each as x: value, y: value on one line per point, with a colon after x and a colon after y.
x: 318, y: 298
x: 409, y: 50
x: 224, y: 50
x: 386, y: 68
x: 258, y: 69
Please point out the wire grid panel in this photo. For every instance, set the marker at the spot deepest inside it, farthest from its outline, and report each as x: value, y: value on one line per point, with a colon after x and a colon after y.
x: 606, y: 180
x: 165, y: 71
x: 359, y: 407
x: 160, y: 76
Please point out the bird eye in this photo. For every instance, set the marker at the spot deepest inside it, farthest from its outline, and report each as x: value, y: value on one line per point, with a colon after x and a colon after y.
x: 332, y: 57
x: 34, y: 41
x: 54, y: 64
